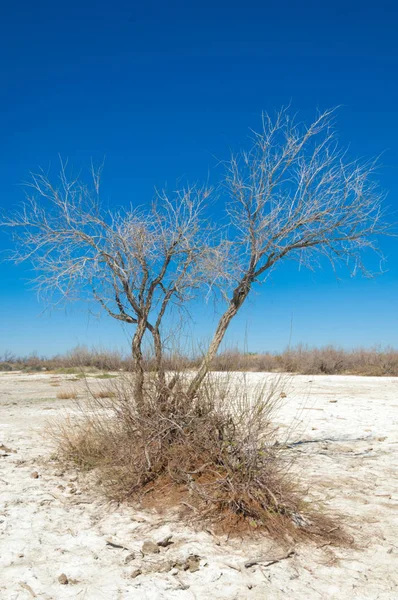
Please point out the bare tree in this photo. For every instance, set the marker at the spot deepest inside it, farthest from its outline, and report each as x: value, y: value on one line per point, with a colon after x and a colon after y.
x: 294, y: 195
x: 136, y: 263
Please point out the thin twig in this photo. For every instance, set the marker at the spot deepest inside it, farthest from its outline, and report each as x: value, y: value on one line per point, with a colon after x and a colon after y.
x: 266, y: 562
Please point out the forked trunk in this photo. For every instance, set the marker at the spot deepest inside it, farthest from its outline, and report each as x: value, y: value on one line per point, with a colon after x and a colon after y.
x: 139, y: 362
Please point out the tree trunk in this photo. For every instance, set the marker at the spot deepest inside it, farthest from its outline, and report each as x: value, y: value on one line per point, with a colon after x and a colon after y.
x: 239, y: 296
x: 138, y: 362
x: 159, y: 360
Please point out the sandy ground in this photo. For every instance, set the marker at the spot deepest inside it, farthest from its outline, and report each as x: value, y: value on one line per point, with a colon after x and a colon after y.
x: 56, y: 525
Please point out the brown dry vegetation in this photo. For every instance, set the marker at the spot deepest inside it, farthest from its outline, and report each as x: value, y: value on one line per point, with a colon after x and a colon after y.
x: 71, y: 362
x: 102, y: 394
x: 67, y: 395
x: 215, y: 457
x: 327, y: 360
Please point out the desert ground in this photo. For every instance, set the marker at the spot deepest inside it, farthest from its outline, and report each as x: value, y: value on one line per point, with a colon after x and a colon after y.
x: 60, y: 538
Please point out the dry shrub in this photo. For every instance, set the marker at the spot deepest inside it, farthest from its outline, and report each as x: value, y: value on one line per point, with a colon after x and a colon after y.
x: 216, y: 455
x: 102, y: 394
x: 80, y: 441
x: 326, y: 360
x: 67, y: 395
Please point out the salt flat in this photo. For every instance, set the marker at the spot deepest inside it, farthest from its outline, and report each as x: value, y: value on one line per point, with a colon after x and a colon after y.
x: 345, y: 431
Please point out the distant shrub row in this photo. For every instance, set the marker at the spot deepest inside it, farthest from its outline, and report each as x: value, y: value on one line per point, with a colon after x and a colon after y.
x: 327, y: 360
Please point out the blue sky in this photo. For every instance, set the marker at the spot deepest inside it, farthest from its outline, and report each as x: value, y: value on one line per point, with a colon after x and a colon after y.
x: 163, y: 90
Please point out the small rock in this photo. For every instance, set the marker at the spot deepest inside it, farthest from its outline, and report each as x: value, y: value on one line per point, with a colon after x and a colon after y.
x: 6, y: 449
x: 149, y: 547
x: 193, y: 564
x: 182, y: 586
x: 63, y: 580
x: 129, y: 558
x: 35, y: 475
x: 135, y: 573
x: 164, y: 567
x: 165, y: 541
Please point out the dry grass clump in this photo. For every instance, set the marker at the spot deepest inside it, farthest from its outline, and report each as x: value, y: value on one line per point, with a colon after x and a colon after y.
x: 105, y: 393
x: 67, y: 395
x: 215, y: 456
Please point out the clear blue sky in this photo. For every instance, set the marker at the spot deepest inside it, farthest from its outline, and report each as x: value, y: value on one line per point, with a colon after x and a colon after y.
x: 162, y: 90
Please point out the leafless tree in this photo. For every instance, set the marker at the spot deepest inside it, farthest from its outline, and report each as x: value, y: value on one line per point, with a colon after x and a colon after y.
x: 294, y: 194
x: 136, y: 263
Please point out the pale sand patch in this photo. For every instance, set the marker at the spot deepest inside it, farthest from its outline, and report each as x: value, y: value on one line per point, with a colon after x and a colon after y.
x: 349, y: 460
